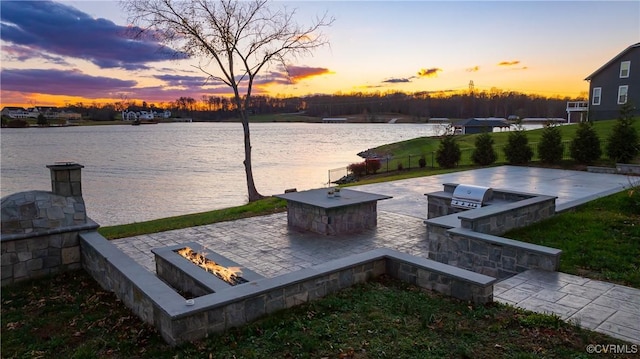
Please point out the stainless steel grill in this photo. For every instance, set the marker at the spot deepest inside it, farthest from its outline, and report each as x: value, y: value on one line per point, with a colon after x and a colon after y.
x: 470, y: 197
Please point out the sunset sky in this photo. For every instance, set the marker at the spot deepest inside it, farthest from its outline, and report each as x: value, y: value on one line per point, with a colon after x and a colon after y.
x: 61, y: 52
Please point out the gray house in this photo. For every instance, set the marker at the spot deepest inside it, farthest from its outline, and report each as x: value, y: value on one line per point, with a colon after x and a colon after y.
x: 615, y: 83
x: 479, y: 125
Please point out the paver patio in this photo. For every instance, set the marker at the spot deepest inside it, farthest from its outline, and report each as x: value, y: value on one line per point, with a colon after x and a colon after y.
x: 269, y: 247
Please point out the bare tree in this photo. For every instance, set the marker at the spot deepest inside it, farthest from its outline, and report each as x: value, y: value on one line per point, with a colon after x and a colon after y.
x: 234, y: 41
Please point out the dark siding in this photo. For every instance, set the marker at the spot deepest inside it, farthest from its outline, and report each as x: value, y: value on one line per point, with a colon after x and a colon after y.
x: 469, y: 130
x: 609, y: 80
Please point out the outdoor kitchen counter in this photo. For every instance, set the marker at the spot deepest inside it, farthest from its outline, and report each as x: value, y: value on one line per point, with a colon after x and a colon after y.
x: 351, y: 212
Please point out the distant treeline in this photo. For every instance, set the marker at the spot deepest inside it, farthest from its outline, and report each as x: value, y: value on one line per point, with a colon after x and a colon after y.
x: 417, y: 106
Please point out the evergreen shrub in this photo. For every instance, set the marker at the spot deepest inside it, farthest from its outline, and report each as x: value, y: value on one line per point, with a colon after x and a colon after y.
x: 585, y: 146
x: 484, y: 154
x: 518, y: 150
x: 622, y: 146
x: 550, y: 148
x: 448, y: 154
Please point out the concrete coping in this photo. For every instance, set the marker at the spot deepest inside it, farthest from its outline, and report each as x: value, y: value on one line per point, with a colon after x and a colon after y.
x: 454, y: 220
x: 319, y: 198
x: 89, y: 226
x: 441, y: 268
x: 488, y: 211
x: 254, y: 288
x: 448, y: 221
x: 506, y: 242
x: 168, y: 300
x: 440, y: 194
x: 147, y: 282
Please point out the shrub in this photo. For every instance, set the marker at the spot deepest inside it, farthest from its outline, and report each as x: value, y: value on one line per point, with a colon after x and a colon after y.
x: 43, y: 121
x: 17, y: 123
x: 400, y: 166
x: 448, y: 154
x: 484, y: 154
x: 372, y: 165
x: 517, y: 149
x: 422, y: 162
x: 622, y: 146
x: 585, y: 146
x: 358, y: 169
x: 550, y: 148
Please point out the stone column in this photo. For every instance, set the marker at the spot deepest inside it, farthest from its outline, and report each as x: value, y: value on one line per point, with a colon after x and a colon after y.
x: 66, y: 179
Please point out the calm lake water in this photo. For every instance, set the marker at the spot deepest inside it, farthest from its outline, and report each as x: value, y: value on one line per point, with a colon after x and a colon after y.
x: 137, y: 173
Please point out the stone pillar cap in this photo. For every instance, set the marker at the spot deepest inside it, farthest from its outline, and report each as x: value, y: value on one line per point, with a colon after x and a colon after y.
x: 65, y: 165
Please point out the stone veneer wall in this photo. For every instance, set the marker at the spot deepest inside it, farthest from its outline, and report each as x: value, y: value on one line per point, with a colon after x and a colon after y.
x: 499, y: 219
x: 347, y: 219
x: 158, y: 304
x: 40, y: 229
x: 490, y: 255
x: 36, y: 256
x: 439, y: 206
x: 469, y: 239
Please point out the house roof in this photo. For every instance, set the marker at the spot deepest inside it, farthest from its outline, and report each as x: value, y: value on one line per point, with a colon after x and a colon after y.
x: 625, y: 51
x: 475, y: 122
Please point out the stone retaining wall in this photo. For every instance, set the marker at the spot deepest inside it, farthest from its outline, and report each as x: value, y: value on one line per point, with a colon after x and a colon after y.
x: 32, y: 257
x: 491, y: 255
x: 499, y: 219
x: 469, y: 239
x: 158, y: 304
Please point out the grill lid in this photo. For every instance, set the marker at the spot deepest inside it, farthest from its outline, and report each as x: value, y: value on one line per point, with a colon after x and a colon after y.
x: 470, y: 197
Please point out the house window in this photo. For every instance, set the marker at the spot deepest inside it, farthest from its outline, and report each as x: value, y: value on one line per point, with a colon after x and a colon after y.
x: 622, y: 94
x: 625, y: 66
x: 597, y: 94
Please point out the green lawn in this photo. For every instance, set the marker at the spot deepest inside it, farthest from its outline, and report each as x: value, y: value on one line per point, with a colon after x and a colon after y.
x: 600, y: 240
x: 427, y: 146
x: 70, y: 316
x: 259, y: 208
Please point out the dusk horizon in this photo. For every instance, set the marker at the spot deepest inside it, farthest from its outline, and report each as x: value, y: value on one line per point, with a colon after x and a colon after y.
x: 58, y: 53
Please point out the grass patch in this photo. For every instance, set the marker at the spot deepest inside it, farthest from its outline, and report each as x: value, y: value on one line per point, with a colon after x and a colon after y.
x: 600, y: 240
x: 70, y: 316
x: 262, y: 207
x: 428, y: 146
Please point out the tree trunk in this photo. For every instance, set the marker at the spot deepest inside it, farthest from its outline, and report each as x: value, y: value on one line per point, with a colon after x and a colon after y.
x: 253, y: 193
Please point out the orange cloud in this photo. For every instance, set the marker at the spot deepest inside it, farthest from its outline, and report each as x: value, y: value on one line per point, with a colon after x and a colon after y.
x: 432, y: 72
x: 297, y: 73
x: 473, y: 69
x: 508, y: 63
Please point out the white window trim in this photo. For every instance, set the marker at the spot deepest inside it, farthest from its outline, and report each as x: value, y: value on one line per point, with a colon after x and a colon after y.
x: 621, y: 89
x: 625, y: 65
x: 594, y: 97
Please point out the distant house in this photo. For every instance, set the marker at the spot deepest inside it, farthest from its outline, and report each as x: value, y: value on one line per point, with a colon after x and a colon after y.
x: 33, y: 112
x: 15, y: 112
x: 134, y: 114
x: 615, y: 83
x: 479, y: 125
